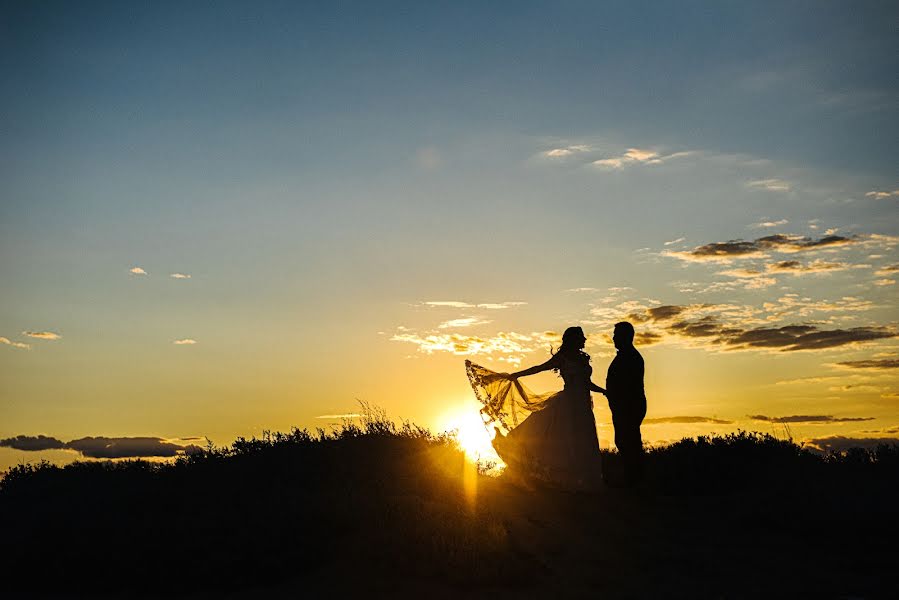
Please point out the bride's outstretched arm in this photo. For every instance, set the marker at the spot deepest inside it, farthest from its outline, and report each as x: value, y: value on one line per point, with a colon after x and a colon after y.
x: 550, y: 364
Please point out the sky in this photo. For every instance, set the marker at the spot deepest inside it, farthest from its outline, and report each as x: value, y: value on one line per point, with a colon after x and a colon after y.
x: 221, y: 218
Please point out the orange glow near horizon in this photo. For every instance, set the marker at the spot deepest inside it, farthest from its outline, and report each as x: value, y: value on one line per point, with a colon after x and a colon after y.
x: 472, y: 435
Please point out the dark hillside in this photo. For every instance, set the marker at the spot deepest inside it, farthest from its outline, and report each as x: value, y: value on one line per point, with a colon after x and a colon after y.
x: 390, y: 511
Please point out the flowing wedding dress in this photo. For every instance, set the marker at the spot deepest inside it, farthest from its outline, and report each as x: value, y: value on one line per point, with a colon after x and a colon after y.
x: 547, y: 437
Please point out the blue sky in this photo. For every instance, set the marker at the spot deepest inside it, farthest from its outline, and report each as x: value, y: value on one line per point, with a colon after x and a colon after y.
x: 324, y: 171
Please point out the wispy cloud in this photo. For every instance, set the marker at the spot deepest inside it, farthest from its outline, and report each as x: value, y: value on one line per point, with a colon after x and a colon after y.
x: 42, y: 335
x: 350, y: 415
x: 185, y: 342
x: 463, y: 322
x: 483, y: 305
x: 877, y: 364
x: 104, y: 447
x: 727, y: 251
x: 137, y: 271
x: 677, y: 241
x: 884, y: 282
x: 565, y: 151
x: 809, y: 419
x: 686, y: 420
x: 839, y: 443
x: 179, y: 276
x: 790, y: 267
x: 881, y: 195
x: 772, y: 185
x: 636, y: 156
x: 767, y: 224
x: 21, y: 345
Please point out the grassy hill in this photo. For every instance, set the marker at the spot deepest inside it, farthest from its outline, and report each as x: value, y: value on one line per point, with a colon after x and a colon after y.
x: 390, y: 510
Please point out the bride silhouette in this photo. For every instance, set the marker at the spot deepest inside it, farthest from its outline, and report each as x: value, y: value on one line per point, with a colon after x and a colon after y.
x: 550, y: 438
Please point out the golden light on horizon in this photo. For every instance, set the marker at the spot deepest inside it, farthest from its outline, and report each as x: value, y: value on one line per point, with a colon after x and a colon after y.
x: 473, y: 436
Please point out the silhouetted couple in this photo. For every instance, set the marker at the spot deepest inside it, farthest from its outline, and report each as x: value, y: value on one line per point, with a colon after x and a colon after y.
x: 552, y: 437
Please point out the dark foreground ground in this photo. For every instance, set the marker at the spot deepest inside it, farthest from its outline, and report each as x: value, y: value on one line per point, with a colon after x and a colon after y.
x: 386, y: 512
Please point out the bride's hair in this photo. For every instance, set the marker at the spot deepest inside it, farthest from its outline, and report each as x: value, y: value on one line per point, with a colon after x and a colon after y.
x: 568, y: 348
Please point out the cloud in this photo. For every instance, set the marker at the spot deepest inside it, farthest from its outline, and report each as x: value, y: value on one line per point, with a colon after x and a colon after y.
x: 676, y: 241
x: 636, y: 156
x: 877, y: 195
x: 790, y: 267
x: 839, y: 443
x: 733, y: 327
x: 765, y: 224
x: 884, y: 282
x: 463, y: 322
x: 731, y: 249
x: 104, y: 447
x: 772, y: 185
x: 686, y: 420
x: 33, y: 443
x: 484, y: 305
x: 20, y: 345
x: 505, y: 346
x: 883, y: 363
x: 42, y: 335
x: 185, y: 342
x: 809, y: 419
x: 583, y: 289
x: 504, y: 343
x: 887, y: 270
x: 137, y: 271
x: 351, y: 415
x: 179, y: 276
x: 129, y: 447
x: 565, y: 151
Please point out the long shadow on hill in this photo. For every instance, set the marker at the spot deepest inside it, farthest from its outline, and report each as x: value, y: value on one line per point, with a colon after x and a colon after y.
x: 390, y: 510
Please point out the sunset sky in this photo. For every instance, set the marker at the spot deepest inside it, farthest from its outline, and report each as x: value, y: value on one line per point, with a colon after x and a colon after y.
x: 222, y: 218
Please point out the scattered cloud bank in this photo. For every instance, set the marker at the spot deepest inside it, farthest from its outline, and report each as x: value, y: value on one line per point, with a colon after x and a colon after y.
x: 179, y: 276
x: 105, y: 447
x: 137, y: 271
x: 506, y: 346
x: 839, y: 443
x: 809, y: 419
x: 879, y: 195
x: 42, y: 335
x: 686, y: 420
x: 20, y: 345
x: 185, y: 342
x: 735, y: 327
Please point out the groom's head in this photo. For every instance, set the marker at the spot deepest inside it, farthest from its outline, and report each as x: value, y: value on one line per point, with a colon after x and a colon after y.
x: 624, y: 335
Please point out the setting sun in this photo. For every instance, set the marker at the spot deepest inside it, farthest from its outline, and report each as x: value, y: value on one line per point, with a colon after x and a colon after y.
x: 472, y: 435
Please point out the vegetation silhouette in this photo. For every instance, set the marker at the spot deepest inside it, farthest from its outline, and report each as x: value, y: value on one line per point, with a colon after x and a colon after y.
x: 384, y: 509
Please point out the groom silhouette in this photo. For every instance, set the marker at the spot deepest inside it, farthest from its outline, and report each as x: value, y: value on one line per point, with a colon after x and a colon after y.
x: 627, y: 401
